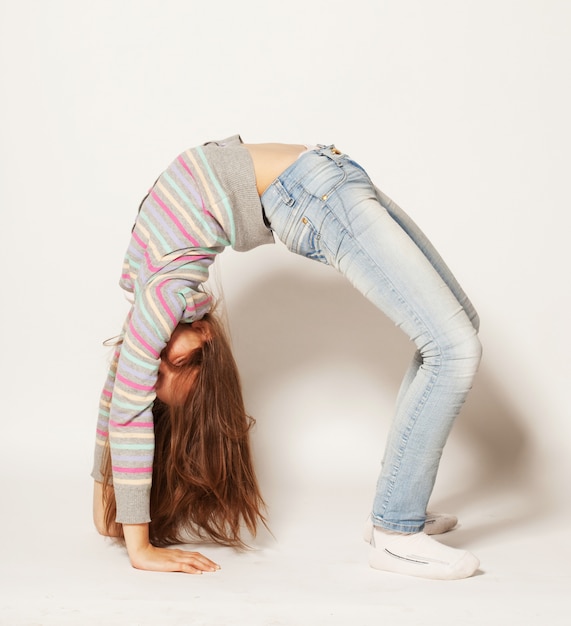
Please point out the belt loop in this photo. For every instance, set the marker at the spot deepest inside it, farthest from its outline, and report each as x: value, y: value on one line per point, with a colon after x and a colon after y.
x: 331, y: 152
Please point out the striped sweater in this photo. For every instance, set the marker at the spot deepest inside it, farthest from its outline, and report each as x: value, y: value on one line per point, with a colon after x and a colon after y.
x: 204, y: 201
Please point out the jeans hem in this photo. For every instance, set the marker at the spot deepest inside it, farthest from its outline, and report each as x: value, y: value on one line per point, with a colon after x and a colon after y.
x: 397, y: 528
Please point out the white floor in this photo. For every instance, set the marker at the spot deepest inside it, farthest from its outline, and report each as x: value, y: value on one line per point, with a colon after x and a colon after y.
x: 55, y: 570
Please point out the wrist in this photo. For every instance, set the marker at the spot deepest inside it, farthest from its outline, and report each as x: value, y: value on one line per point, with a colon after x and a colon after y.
x: 136, y: 537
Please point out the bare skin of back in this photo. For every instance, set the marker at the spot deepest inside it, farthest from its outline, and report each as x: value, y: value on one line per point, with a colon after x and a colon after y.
x: 270, y: 160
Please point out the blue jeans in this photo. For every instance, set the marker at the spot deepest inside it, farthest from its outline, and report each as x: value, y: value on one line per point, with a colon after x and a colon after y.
x: 325, y: 207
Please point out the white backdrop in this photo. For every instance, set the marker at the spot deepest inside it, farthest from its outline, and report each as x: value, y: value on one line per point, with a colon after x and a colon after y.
x: 460, y: 112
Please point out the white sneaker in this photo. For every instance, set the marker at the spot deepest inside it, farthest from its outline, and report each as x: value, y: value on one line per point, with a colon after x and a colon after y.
x: 419, y: 555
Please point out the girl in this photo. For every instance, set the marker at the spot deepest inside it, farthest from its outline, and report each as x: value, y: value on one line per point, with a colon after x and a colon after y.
x: 172, y: 451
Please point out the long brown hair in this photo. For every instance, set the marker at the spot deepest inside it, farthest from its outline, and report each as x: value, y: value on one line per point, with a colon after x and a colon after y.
x: 204, y: 483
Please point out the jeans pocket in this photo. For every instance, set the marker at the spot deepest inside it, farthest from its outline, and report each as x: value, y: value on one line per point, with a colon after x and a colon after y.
x: 327, y: 175
x: 304, y: 240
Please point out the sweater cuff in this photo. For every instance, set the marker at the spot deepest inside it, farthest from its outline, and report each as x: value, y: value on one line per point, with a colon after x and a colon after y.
x: 133, y: 504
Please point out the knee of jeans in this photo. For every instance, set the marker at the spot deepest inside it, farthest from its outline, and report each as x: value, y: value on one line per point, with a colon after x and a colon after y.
x: 461, y: 348
x: 467, y: 349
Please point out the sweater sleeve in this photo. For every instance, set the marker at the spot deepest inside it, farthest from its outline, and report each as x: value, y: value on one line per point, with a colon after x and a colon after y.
x: 125, y: 413
x: 183, y: 223
x: 102, y: 429
x: 157, y: 310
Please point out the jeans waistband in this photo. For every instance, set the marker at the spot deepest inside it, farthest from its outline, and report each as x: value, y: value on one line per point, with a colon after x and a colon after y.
x: 305, y: 163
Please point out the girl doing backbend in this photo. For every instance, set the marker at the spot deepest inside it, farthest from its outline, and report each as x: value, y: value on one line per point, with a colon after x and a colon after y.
x: 172, y: 453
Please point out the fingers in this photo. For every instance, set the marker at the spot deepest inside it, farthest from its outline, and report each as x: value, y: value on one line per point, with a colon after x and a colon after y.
x: 173, y: 560
x: 189, y: 569
x: 193, y: 562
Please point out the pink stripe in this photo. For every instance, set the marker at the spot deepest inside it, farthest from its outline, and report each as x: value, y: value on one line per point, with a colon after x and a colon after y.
x: 102, y: 433
x: 164, y: 303
x: 135, y: 424
x: 187, y: 169
x: 174, y: 219
x: 106, y: 393
x: 190, y: 257
x: 194, y: 307
x: 139, y: 241
x: 142, y: 341
x: 132, y: 470
x: 133, y: 385
x: 189, y: 172
x: 150, y: 266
